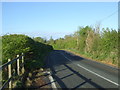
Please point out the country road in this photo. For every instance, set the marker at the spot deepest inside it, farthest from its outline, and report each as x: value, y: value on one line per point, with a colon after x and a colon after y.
x: 72, y: 71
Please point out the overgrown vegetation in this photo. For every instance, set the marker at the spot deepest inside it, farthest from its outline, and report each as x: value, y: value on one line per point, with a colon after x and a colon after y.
x: 91, y: 42
x: 33, y: 49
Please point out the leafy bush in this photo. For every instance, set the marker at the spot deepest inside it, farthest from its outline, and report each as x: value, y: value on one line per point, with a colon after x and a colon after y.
x: 15, y: 44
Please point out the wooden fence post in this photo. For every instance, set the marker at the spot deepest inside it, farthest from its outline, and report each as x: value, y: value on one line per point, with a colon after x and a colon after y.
x: 9, y: 73
x: 18, y: 66
x: 23, y: 70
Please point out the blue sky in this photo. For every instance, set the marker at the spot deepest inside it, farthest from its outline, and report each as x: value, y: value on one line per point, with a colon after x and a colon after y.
x: 56, y: 19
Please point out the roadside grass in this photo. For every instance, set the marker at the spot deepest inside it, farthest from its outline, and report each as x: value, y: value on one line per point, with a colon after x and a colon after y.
x: 108, y: 61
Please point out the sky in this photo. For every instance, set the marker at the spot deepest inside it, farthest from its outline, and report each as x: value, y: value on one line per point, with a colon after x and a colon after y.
x: 56, y: 19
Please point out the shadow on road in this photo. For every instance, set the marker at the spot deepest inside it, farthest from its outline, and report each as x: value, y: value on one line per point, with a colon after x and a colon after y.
x: 64, y: 86
x: 71, y: 55
x: 57, y: 60
x: 84, y: 78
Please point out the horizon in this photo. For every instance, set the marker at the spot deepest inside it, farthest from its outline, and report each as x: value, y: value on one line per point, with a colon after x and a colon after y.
x: 51, y: 36
x: 56, y: 19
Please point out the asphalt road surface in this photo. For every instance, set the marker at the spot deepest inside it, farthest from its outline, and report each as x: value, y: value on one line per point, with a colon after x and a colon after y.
x: 70, y: 71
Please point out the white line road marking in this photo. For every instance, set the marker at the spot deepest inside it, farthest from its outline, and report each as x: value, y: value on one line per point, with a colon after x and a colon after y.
x: 52, y: 82
x: 97, y: 74
x: 91, y: 71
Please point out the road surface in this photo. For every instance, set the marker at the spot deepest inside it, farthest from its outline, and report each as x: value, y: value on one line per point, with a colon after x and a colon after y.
x: 70, y: 71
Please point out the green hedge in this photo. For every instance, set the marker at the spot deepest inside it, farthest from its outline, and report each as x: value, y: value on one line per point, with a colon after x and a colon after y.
x: 16, y: 44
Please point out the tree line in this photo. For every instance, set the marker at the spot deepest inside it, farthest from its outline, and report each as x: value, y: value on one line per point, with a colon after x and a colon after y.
x: 101, y: 45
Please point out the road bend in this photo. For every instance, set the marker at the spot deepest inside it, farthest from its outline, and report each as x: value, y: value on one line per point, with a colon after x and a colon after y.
x: 70, y: 71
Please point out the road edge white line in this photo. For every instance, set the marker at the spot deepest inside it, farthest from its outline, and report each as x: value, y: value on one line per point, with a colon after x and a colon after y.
x: 53, y: 85
x: 91, y: 71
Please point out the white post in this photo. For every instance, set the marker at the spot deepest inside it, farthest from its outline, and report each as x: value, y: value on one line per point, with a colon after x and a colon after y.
x: 9, y: 73
x: 23, y: 70
x: 18, y: 72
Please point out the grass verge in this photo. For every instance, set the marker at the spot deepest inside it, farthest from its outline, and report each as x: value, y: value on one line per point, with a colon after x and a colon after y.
x: 90, y: 58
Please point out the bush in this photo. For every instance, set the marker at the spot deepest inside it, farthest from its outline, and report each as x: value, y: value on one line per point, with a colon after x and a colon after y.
x: 15, y: 44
